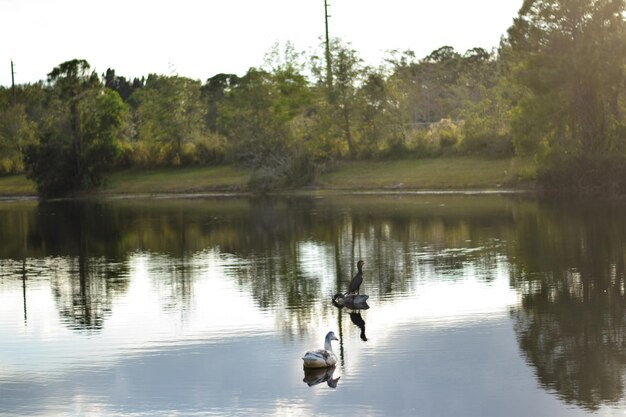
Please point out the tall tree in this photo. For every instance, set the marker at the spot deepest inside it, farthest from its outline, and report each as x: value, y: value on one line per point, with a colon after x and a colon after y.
x: 347, y: 69
x: 571, y: 57
x: 16, y: 132
x: 382, y: 119
x: 265, y: 115
x: 340, y: 104
x: 170, y: 115
x: 213, y: 93
x: 79, y: 133
x: 120, y: 84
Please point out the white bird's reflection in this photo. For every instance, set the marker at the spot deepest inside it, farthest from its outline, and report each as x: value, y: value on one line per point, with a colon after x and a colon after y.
x: 314, y: 376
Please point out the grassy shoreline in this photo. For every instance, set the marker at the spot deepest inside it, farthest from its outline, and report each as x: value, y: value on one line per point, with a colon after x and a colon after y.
x: 439, y: 174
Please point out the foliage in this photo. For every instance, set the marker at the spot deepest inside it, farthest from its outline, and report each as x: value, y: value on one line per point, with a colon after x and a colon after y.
x: 16, y: 132
x: 587, y: 174
x: 553, y: 91
x: 170, y: 117
x: 437, y: 86
x: 264, y: 117
x: 293, y: 170
x: 124, y: 87
x: 213, y: 94
x: 339, y: 101
x: 79, y: 133
x: 570, y: 56
x: 444, y: 134
x: 486, y: 125
x: 381, y: 119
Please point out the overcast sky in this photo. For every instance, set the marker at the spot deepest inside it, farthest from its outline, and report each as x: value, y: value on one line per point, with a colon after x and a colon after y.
x: 199, y: 39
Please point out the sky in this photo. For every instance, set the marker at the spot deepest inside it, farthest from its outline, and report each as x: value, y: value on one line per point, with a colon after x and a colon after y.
x: 199, y: 39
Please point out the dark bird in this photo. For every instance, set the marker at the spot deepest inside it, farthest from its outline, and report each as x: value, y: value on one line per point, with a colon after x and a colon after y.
x: 356, y: 282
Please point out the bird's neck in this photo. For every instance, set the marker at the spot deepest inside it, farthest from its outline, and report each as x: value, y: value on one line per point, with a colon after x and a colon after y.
x: 327, y: 344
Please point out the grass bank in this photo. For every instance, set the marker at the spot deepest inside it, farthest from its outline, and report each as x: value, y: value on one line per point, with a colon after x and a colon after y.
x: 16, y: 185
x: 460, y: 173
x: 182, y: 180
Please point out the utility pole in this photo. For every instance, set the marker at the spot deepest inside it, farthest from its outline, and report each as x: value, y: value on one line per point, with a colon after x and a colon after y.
x: 13, y: 84
x: 329, y: 73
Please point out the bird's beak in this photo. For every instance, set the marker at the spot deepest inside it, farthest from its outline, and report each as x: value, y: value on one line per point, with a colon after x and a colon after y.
x: 335, y: 338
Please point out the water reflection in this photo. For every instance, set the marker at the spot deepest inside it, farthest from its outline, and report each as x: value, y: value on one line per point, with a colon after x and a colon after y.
x: 235, y: 283
x: 571, y: 323
x: 83, y: 290
x: 313, y: 376
x: 358, y: 321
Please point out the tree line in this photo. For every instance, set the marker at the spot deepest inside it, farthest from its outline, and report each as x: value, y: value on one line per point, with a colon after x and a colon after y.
x: 552, y: 90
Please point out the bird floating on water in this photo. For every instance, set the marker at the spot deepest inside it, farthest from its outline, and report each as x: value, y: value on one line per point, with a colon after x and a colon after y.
x: 352, y: 298
x: 355, y: 301
x: 321, y: 358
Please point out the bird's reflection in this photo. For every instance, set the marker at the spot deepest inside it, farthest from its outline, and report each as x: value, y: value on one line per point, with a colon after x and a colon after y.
x: 356, y: 318
x: 314, y: 376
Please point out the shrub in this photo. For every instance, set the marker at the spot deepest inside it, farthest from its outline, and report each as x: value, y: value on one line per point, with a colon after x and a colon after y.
x: 263, y: 180
x: 210, y: 149
x: 444, y: 134
x: 584, y: 174
x: 419, y: 145
x: 491, y: 144
x: 11, y: 166
x: 293, y: 169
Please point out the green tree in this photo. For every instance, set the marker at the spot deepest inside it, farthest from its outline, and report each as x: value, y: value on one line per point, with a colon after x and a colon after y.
x: 570, y: 56
x: 16, y: 132
x: 347, y: 72
x: 382, y: 120
x: 447, y: 85
x: 337, y: 104
x: 265, y: 118
x: 170, y: 118
x: 78, y: 132
x: 124, y: 87
x: 435, y: 83
x: 247, y: 118
x: 213, y: 93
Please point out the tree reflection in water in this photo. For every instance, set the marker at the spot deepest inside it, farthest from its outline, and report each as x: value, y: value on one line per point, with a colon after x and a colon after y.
x: 284, y: 251
x: 84, y: 281
x: 571, y: 323
x: 83, y: 291
x: 290, y: 255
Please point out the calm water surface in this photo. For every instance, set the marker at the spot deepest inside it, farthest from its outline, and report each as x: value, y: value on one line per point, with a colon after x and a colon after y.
x: 479, y: 306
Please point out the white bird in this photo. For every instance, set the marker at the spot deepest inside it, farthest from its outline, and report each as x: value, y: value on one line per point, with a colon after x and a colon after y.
x: 321, y: 358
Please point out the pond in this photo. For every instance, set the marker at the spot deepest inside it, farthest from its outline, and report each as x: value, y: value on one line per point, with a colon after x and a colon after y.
x: 479, y: 305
